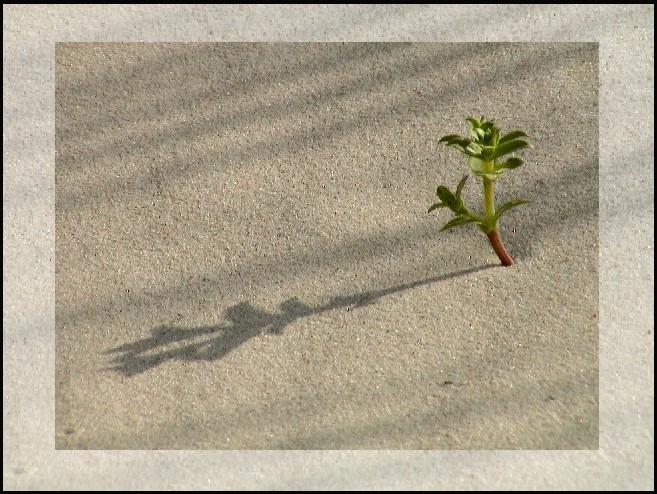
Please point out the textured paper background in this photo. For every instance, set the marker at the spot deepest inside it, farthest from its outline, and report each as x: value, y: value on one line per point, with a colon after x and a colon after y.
x: 625, y: 458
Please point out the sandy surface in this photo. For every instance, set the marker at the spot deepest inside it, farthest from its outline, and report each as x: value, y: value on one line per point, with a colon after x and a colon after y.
x: 245, y: 259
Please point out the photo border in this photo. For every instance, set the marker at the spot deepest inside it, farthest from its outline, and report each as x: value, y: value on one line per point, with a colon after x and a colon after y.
x: 625, y: 460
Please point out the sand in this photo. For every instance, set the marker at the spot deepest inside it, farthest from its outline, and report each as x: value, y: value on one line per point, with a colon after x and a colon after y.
x: 245, y: 259
x: 219, y: 256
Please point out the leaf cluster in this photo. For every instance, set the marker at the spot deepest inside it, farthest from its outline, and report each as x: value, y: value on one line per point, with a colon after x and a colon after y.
x: 486, y: 145
x: 483, y: 149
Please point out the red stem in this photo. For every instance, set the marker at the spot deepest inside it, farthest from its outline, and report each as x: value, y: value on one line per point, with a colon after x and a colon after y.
x: 498, y: 247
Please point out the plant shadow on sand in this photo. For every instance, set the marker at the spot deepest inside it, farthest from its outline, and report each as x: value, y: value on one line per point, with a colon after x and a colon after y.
x: 243, y: 322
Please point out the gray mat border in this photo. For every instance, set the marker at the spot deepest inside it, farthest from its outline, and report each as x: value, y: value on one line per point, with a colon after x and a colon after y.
x: 625, y: 459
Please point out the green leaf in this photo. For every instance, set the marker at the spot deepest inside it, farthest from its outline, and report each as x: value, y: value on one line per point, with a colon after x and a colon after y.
x: 457, y: 142
x: 445, y: 194
x: 459, y: 220
x: 449, y: 138
x: 474, y: 122
x: 511, y: 163
x: 469, y: 152
x: 474, y: 148
x: 459, y: 187
x: 509, y: 147
x: 477, y: 133
x: 509, y: 205
x: 447, y: 197
x: 436, y: 206
x: 511, y: 135
x: 453, y: 202
x: 476, y: 165
x: 487, y: 152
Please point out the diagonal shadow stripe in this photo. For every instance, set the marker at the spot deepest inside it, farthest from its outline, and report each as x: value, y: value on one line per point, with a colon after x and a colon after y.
x: 536, y: 222
x: 339, y: 126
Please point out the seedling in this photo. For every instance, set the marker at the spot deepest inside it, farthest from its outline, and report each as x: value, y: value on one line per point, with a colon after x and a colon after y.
x: 483, y: 152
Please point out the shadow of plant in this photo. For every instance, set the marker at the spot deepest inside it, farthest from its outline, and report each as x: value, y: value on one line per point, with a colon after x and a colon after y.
x: 243, y: 321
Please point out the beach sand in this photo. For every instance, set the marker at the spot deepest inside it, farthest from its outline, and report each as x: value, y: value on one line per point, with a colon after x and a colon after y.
x: 244, y: 258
